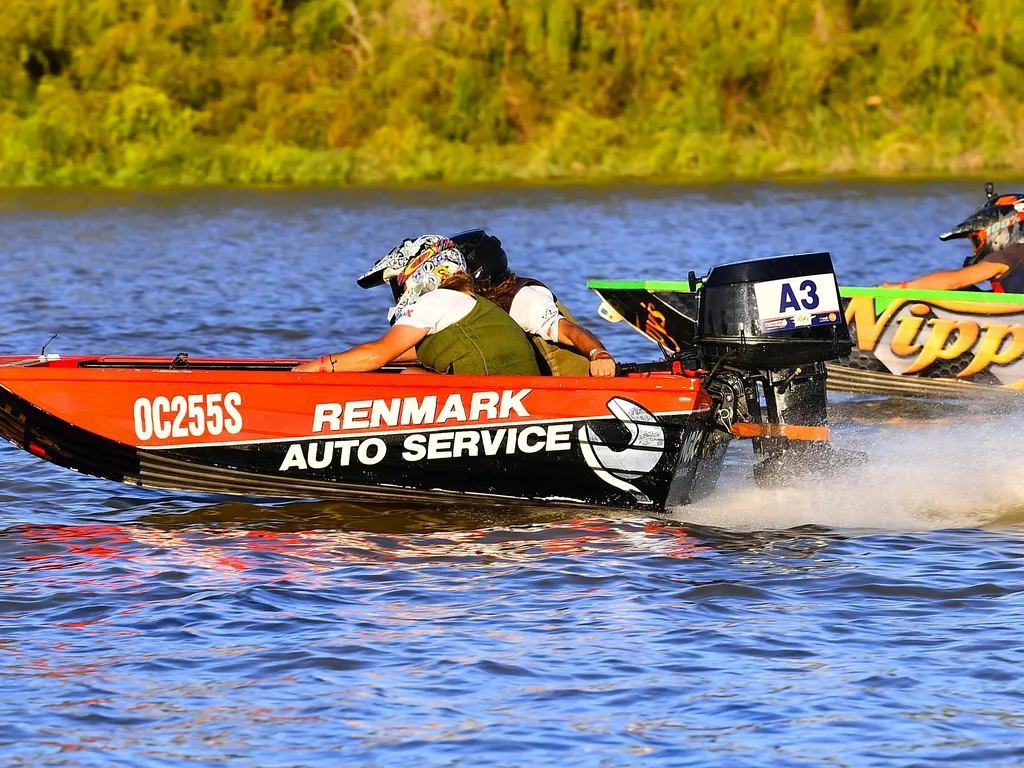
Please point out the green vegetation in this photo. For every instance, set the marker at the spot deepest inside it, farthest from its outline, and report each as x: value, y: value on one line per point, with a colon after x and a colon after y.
x: 129, y: 92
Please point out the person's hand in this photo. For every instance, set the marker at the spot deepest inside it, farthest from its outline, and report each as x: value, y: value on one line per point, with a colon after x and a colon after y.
x: 602, y: 365
x: 313, y: 366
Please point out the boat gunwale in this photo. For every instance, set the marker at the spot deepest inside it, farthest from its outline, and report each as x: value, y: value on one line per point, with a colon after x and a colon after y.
x: 849, y: 291
x: 69, y: 370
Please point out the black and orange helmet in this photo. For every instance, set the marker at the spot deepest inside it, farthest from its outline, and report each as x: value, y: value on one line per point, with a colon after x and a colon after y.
x: 996, y: 225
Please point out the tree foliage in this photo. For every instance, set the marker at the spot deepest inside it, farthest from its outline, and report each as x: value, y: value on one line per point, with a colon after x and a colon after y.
x: 341, y: 91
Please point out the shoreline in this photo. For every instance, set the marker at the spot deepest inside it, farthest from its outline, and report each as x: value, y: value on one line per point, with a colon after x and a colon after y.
x: 516, y: 183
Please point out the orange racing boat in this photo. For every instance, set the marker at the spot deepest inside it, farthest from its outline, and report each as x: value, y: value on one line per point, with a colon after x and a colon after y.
x: 655, y: 436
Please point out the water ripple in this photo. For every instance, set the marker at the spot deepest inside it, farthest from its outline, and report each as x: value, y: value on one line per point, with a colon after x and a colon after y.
x: 873, y: 622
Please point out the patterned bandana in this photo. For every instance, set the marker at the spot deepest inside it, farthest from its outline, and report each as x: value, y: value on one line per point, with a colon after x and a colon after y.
x: 419, y: 266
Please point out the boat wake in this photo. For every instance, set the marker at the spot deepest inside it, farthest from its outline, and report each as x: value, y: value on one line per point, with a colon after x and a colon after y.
x: 922, y: 477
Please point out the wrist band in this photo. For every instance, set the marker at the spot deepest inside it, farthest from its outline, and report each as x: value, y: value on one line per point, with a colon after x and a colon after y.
x: 597, y: 352
x: 903, y: 284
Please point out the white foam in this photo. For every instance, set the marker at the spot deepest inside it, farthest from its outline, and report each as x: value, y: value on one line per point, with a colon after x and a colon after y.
x: 918, y: 477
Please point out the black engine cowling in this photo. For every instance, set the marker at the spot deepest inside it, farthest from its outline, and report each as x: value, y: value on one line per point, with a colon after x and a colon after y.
x: 764, y: 331
x: 772, y: 313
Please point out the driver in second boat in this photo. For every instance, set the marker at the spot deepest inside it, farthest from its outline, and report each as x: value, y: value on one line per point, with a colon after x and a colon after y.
x: 996, y: 230
x: 437, y: 320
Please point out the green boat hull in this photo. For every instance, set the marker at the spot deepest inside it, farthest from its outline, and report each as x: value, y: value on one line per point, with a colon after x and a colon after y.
x: 950, y: 344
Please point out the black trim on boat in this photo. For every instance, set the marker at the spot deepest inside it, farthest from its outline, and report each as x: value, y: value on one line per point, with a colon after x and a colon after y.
x: 186, y: 366
x: 55, y: 440
x: 189, y: 365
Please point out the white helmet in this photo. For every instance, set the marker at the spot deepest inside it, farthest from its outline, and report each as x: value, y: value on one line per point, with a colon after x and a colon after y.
x: 415, y: 268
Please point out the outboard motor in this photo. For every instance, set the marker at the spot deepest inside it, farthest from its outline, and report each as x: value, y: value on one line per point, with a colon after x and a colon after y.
x: 764, y: 331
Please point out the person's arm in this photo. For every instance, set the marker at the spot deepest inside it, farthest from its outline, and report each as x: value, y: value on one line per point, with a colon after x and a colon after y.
x: 572, y: 335
x: 952, y: 279
x: 535, y: 311
x: 370, y: 356
x: 409, y: 356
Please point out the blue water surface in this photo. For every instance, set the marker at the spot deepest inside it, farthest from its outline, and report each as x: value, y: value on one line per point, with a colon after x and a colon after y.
x: 870, y: 622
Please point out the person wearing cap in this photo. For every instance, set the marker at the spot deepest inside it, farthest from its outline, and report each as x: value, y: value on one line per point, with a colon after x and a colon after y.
x: 438, y: 317
x: 564, y: 348
x: 996, y: 230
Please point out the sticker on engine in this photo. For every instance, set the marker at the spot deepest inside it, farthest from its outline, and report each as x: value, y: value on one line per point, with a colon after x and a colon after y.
x: 797, y: 302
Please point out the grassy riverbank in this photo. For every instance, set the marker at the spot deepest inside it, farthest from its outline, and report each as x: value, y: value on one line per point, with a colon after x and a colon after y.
x: 135, y: 92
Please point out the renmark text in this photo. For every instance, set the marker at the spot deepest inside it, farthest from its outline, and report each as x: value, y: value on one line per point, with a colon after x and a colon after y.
x: 419, y: 411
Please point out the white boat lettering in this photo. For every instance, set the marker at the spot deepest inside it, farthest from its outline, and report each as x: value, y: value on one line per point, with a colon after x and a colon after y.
x: 453, y: 409
x: 320, y: 455
x: 510, y: 402
x: 430, y: 446
x: 488, y: 442
x: 414, y: 411
x: 484, y: 402
x: 187, y: 415
x: 357, y: 415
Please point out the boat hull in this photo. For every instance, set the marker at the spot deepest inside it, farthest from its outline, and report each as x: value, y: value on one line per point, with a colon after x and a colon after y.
x: 915, y: 343
x: 255, y: 428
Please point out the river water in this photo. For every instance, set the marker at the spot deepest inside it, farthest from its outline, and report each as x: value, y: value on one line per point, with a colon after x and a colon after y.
x: 872, y: 622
